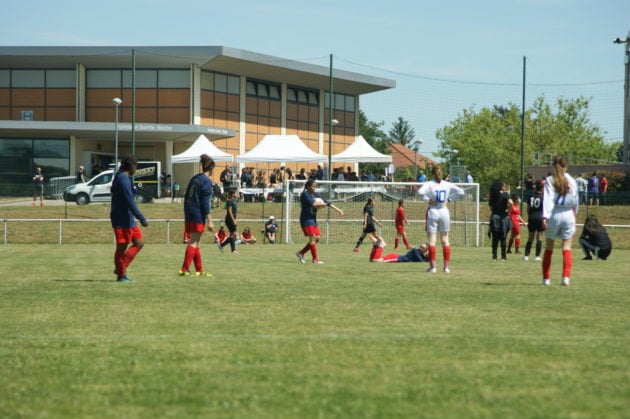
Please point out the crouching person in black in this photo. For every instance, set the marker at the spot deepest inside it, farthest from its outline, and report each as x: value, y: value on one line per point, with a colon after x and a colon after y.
x: 594, y: 240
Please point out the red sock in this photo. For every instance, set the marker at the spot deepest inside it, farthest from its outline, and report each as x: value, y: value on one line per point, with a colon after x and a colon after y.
x: 188, y: 257
x: 517, y: 244
x: 197, y: 260
x: 305, y: 249
x: 130, y: 254
x: 446, y: 252
x: 567, y: 263
x: 396, y: 241
x: 546, y: 265
x: 432, y: 255
x: 314, y: 251
x: 407, y: 245
x: 119, y: 263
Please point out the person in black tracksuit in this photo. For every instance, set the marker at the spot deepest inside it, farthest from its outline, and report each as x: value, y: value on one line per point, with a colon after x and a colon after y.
x: 500, y: 224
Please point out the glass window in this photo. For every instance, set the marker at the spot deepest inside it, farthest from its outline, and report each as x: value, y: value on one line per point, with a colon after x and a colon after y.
x: 52, y: 167
x: 179, y: 79
x: 302, y: 96
x: 145, y: 79
x: 16, y: 147
x: 220, y: 82
x: 60, y: 78
x: 207, y: 80
x: 51, y: 148
x: 340, y: 101
x: 251, y: 88
x: 312, y: 98
x: 234, y: 85
x: 103, y: 78
x: 349, y: 103
x: 274, y: 92
x: 262, y: 89
x: 291, y: 95
x: 5, y: 78
x: 28, y: 78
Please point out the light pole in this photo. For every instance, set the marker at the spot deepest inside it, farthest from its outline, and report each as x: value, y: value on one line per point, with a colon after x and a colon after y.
x: 116, y: 101
x: 626, y: 99
x: 415, y: 146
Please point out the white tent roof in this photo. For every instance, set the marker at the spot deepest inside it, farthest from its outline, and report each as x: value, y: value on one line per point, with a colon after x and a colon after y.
x: 201, y: 146
x: 280, y: 149
x: 360, y: 151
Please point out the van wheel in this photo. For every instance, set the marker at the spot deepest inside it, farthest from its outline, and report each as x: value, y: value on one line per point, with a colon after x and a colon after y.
x: 141, y: 199
x: 83, y: 199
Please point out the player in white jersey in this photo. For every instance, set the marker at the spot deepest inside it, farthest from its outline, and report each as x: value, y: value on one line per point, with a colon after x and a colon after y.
x: 438, y: 192
x: 560, y: 206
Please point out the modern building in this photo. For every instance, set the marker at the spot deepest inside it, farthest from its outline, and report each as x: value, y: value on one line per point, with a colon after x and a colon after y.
x: 57, y: 110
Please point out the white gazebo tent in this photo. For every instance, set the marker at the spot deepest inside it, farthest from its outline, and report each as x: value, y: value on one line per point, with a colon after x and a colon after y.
x: 360, y: 151
x: 280, y: 149
x: 202, y: 145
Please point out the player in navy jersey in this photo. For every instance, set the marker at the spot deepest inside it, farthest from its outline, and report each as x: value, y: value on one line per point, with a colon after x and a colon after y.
x: 197, y: 215
x: 560, y: 206
x: 123, y: 214
x: 438, y: 192
x: 308, y: 219
x: 534, y: 221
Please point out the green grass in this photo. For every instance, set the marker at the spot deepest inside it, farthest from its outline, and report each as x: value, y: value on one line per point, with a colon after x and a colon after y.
x: 268, y: 337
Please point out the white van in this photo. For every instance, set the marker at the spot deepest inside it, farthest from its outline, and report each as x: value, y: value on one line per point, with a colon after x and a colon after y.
x: 98, y: 189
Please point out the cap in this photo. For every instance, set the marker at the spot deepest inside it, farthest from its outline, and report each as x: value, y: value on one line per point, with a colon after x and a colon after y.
x: 271, y: 217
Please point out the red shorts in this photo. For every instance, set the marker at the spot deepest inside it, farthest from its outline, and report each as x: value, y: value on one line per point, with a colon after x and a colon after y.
x: 516, y: 229
x: 400, y: 228
x: 191, y: 227
x: 127, y: 235
x: 311, y: 231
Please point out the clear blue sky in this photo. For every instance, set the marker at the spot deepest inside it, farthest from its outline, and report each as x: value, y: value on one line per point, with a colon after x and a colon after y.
x: 565, y: 41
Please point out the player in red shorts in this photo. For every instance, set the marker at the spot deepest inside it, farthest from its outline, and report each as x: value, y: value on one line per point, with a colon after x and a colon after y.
x: 308, y: 219
x: 123, y: 214
x: 197, y: 215
x: 400, y: 221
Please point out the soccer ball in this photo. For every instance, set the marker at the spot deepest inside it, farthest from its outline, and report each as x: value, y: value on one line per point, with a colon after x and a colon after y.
x: 318, y: 201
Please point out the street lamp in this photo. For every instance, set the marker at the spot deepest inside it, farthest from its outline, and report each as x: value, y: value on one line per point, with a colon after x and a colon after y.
x: 626, y: 99
x: 116, y: 101
x: 415, y: 145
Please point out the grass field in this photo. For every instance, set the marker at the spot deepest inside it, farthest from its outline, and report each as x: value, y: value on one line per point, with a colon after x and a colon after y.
x: 268, y: 337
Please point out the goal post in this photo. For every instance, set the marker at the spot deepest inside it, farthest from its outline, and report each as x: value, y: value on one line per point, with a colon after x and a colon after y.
x: 351, y: 197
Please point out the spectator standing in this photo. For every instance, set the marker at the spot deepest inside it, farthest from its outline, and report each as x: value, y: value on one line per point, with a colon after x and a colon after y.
x: 560, y: 206
x: 603, y: 190
x: 81, y: 175
x: 197, y: 215
x: 438, y: 192
x: 582, y: 186
x: 593, y: 189
x: 38, y: 187
x: 123, y: 214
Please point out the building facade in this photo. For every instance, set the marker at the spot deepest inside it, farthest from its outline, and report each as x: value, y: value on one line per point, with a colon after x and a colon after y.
x: 57, y: 110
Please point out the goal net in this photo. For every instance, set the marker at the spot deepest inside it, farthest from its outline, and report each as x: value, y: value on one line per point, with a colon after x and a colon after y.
x: 351, y: 197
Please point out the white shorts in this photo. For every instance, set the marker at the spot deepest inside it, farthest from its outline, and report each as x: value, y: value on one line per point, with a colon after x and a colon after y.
x: 438, y: 219
x: 561, y: 225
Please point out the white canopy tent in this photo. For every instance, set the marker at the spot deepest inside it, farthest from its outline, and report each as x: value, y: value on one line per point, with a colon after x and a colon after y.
x: 360, y: 151
x: 202, y: 145
x: 281, y: 149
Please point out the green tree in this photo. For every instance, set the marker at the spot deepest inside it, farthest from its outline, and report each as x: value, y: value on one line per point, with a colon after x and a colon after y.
x: 488, y: 141
x: 401, y: 132
x: 376, y: 137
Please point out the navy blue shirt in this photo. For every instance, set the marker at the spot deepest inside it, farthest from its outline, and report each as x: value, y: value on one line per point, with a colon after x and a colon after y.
x: 413, y: 255
x: 308, y: 215
x: 197, y: 199
x: 124, y: 208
